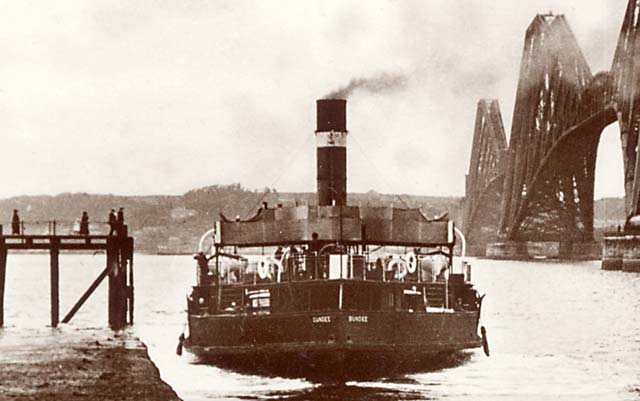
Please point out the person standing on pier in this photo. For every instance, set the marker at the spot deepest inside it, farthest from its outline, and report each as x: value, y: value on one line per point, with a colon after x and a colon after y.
x: 15, y: 223
x: 112, y: 222
x: 84, y: 224
x: 120, y: 228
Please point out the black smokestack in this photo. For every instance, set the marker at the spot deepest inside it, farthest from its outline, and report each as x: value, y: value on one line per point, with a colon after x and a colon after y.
x: 331, y: 151
x: 331, y: 115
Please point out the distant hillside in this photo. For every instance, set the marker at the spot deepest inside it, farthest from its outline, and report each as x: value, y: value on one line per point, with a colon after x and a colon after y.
x: 173, y: 224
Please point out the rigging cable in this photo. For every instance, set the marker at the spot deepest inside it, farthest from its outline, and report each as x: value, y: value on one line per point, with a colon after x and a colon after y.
x: 293, y: 157
x: 379, y: 173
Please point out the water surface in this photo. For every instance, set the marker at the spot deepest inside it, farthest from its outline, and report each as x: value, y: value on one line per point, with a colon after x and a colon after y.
x: 556, y: 330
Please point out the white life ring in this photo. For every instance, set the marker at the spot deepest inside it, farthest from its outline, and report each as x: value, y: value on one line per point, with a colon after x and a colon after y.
x: 263, y: 268
x: 412, y: 262
x: 399, y: 267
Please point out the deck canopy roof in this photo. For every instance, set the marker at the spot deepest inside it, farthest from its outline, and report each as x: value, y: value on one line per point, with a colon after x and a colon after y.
x: 347, y: 224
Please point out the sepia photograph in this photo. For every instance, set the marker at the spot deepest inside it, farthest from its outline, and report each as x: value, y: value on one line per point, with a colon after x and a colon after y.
x: 320, y: 200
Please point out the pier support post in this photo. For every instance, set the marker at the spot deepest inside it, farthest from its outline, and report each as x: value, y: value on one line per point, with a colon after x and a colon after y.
x: 117, y: 263
x: 130, y: 288
x: 3, y: 271
x: 55, y: 279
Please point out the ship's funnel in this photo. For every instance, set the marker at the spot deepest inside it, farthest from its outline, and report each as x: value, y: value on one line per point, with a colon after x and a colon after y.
x: 331, y: 145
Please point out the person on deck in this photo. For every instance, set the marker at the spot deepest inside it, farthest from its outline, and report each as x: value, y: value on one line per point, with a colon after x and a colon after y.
x: 112, y: 222
x: 312, y: 250
x: 84, y: 224
x: 204, y: 278
x: 120, y: 221
x: 15, y: 223
x: 292, y: 261
x: 278, y: 254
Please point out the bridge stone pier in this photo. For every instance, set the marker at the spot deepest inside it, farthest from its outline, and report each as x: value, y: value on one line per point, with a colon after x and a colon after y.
x: 621, y: 251
x: 534, y: 197
x: 515, y: 250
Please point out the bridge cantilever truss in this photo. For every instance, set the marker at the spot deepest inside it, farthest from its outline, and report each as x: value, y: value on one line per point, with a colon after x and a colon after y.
x: 560, y: 112
x: 486, y: 174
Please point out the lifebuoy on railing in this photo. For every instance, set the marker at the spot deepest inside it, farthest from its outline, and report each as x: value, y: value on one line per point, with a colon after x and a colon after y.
x: 203, y: 238
x: 412, y: 262
x: 399, y: 267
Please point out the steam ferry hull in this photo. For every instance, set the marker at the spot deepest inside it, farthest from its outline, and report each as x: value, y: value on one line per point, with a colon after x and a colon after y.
x: 333, y: 346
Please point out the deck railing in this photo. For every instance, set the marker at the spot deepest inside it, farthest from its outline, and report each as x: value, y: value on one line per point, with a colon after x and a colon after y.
x: 287, y: 267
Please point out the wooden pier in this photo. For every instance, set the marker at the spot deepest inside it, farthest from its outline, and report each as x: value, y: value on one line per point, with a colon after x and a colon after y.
x: 118, y: 267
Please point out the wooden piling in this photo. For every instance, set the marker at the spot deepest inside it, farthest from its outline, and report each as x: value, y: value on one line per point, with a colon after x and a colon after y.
x: 130, y: 288
x: 3, y: 270
x: 117, y: 261
x: 54, y: 253
x: 112, y: 264
x: 123, y: 290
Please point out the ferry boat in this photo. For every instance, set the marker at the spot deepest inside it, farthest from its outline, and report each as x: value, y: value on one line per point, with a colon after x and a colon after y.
x: 331, y: 290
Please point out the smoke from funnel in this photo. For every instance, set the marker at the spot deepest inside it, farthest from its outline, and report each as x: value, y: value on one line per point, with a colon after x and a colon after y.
x: 381, y: 83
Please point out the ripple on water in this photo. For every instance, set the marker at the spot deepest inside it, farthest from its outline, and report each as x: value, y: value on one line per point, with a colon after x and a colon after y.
x: 557, y: 331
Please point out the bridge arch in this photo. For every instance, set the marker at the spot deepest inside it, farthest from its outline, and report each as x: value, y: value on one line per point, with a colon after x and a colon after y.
x: 560, y: 113
x: 558, y: 203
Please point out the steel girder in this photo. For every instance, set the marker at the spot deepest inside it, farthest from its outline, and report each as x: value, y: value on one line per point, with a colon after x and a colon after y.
x: 486, y: 172
x: 626, y: 89
x: 551, y: 197
x: 559, y: 115
x: 553, y: 78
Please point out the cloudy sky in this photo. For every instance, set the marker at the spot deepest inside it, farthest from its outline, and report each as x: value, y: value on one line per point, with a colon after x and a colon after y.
x: 162, y: 96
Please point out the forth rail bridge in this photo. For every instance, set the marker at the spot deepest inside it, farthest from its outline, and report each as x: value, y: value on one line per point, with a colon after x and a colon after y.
x: 537, y: 191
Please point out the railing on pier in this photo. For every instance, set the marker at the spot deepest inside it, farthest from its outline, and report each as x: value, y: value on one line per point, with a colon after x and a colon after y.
x: 60, y: 227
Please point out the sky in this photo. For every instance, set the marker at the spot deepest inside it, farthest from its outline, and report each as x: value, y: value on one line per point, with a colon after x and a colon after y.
x: 163, y: 96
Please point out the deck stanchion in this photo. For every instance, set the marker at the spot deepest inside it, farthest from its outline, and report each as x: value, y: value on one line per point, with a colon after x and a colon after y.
x: 54, y: 252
